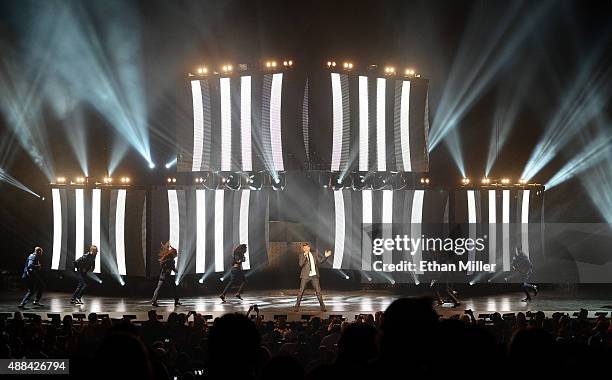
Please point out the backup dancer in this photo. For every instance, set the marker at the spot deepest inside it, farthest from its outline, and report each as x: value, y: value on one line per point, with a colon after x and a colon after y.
x: 236, y: 274
x: 167, y: 266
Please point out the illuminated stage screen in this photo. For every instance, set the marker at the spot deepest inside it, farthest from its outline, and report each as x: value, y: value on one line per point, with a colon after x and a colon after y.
x: 204, y: 226
x: 294, y: 121
x: 112, y: 219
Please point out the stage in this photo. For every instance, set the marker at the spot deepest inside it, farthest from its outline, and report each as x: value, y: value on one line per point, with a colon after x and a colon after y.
x: 345, y: 303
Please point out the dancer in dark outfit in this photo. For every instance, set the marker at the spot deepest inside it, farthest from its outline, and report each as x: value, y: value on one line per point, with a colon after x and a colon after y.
x: 236, y: 274
x: 83, y: 265
x: 167, y: 266
x: 32, y: 278
x: 522, y: 266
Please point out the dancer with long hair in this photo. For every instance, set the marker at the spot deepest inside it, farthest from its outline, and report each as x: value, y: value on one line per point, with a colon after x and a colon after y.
x: 167, y: 266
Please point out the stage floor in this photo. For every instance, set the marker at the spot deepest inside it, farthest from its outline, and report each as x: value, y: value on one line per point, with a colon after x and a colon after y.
x: 345, y: 303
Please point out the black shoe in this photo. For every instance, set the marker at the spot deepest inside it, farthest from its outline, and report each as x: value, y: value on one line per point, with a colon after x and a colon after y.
x: 238, y: 296
x: 80, y: 302
x: 177, y: 303
x: 154, y: 303
x: 222, y: 296
x: 526, y: 299
x: 21, y: 306
x: 38, y: 304
x: 74, y: 301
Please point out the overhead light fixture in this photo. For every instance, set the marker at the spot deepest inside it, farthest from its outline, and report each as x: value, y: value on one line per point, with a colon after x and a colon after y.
x: 505, y: 181
x: 202, y: 70
x: 465, y: 181
x: 331, y: 64
x: 389, y: 70
x: 485, y: 181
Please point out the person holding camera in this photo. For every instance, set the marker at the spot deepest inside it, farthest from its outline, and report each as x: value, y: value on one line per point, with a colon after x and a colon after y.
x: 310, y: 262
x: 236, y: 274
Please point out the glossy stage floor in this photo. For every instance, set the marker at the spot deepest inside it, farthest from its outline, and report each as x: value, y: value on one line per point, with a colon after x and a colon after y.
x: 345, y: 303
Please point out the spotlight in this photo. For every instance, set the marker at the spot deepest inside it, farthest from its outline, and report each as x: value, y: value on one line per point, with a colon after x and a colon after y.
x: 389, y: 70
x: 151, y: 165
x: 346, y: 277
x: 361, y: 181
x: 465, y: 181
x: 505, y: 181
x: 279, y: 182
x: 424, y: 181
x: 348, y: 65
x: 255, y: 181
x: 202, y: 70
x: 107, y: 180
x: 290, y: 63
x: 382, y: 181
x: 232, y: 181
x: 171, y: 180
x: 485, y: 181
x: 60, y: 180
x: 331, y: 64
x: 79, y: 180
x: 226, y: 68
x: 523, y: 181
x: 409, y: 72
x: 201, y: 280
x: 199, y: 180
x: 341, y: 181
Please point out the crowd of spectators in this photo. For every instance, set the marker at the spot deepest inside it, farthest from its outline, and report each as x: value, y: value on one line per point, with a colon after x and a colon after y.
x: 408, y: 338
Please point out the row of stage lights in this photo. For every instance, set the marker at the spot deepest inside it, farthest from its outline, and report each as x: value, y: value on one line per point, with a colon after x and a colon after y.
x: 87, y: 180
x: 388, y: 70
x: 235, y: 181
x: 502, y: 181
x: 228, y: 68
x: 288, y: 63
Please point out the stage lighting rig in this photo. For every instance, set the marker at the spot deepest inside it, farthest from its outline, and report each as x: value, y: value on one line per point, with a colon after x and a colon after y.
x: 505, y: 181
x: 341, y: 181
x: 389, y: 70
x: 80, y: 181
x: 382, y: 181
x: 465, y: 181
x: 348, y: 66
x: 424, y: 181
x: 331, y: 64
x: 226, y: 69
x: 288, y: 63
x: 361, y: 181
x: 171, y: 180
x: 60, y: 180
x: 409, y: 72
x: 125, y: 180
x: 255, y: 181
x: 522, y: 181
x: 271, y: 64
x: 485, y: 181
x: 233, y: 181
x: 202, y: 70
x: 279, y: 183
